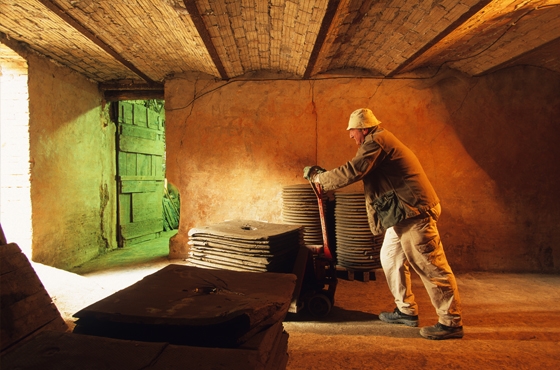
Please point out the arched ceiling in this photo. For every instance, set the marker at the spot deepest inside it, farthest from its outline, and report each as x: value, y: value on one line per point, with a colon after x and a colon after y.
x: 147, y: 41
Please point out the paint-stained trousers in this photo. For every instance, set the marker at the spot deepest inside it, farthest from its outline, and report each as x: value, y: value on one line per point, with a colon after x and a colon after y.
x: 416, y: 243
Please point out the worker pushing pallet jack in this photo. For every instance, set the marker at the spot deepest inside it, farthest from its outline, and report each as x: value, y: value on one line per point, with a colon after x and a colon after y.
x: 316, y: 271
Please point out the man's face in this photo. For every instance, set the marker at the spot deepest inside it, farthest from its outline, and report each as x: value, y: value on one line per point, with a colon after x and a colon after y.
x: 358, y: 135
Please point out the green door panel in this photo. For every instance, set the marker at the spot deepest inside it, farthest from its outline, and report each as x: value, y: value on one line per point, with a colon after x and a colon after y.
x: 140, y: 174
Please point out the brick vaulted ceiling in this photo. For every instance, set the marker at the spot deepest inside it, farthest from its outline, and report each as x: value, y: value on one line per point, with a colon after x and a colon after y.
x: 147, y: 41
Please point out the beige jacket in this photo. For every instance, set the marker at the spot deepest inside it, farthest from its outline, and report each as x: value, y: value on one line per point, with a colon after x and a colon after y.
x: 395, y: 185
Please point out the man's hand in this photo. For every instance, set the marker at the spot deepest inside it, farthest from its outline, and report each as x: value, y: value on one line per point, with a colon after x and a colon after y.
x: 310, y: 172
x: 307, y: 172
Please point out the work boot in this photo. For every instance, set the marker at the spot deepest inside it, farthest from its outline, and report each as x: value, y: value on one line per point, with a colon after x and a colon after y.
x: 440, y: 331
x: 397, y: 317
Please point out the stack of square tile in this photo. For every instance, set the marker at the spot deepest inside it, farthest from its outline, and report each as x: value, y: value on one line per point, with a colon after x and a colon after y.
x: 212, y: 319
x: 244, y: 245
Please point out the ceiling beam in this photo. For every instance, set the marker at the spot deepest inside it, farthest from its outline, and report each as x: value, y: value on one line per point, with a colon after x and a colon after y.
x: 129, y: 85
x: 462, y: 19
x: 131, y: 90
x: 205, y: 35
x: 332, y: 6
x: 118, y: 95
x: 91, y: 36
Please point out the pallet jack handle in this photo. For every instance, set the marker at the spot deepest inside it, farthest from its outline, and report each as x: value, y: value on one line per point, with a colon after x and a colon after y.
x: 318, y: 190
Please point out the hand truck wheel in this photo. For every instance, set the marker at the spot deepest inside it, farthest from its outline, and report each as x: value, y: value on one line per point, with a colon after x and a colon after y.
x: 319, y: 305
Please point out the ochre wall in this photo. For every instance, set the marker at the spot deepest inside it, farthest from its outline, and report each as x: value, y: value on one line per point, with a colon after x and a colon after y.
x: 487, y: 143
x: 232, y: 154
x: 72, y: 167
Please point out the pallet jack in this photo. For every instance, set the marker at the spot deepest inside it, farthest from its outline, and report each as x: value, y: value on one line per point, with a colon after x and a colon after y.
x: 316, y: 271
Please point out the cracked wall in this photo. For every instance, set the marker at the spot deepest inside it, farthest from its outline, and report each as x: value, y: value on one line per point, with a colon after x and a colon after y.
x: 486, y: 143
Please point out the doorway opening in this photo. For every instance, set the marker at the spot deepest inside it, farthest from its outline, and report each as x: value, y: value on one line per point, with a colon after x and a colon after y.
x: 15, y: 199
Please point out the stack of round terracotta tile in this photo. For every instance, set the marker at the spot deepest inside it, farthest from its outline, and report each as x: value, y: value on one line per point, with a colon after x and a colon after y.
x: 300, y: 207
x: 356, y: 247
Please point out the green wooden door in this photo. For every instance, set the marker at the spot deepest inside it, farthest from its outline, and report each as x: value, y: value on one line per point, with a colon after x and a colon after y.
x: 140, y: 174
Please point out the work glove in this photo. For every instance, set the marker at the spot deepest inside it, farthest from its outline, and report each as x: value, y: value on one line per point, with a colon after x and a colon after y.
x: 310, y: 172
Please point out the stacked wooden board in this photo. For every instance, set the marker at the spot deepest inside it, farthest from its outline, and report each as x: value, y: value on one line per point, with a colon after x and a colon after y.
x: 189, y: 306
x: 25, y: 306
x: 69, y: 351
x: 356, y: 247
x: 34, y: 335
x: 244, y: 245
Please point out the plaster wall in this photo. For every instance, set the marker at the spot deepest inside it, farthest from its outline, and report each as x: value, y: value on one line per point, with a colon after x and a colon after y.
x: 488, y: 144
x: 72, y: 167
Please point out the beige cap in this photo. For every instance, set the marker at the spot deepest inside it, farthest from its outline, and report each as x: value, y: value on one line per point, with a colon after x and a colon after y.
x: 362, y: 118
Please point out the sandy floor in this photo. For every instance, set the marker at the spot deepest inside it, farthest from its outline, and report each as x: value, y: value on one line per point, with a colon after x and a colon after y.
x: 512, y: 321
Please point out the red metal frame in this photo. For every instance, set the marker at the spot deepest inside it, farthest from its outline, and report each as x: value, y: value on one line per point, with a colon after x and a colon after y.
x: 318, y: 190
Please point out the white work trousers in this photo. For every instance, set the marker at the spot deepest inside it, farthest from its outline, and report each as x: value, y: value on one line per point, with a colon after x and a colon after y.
x: 416, y: 243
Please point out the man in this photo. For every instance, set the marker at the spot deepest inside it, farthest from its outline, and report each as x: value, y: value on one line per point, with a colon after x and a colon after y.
x: 400, y: 201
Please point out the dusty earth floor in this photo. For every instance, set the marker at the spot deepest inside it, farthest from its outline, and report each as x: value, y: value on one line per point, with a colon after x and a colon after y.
x: 512, y: 321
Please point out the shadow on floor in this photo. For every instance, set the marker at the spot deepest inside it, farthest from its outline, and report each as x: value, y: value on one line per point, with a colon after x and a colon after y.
x: 150, y: 252
x: 108, y: 273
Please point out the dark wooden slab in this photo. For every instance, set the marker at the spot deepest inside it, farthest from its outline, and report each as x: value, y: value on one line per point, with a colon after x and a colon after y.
x: 12, y: 259
x: 267, y: 350
x: 25, y: 306
x: 266, y: 342
x: 191, y: 306
x: 279, y: 358
x: 69, y: 351
x: 66, y: 351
